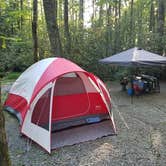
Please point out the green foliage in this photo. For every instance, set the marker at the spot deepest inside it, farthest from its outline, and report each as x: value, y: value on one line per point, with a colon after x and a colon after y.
x: 17, y: 56
x: 15, y: 41
x: 12, y: 76
x: 89, y: 44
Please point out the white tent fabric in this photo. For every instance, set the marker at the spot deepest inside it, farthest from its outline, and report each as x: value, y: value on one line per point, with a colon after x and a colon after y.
x: 25, y: 84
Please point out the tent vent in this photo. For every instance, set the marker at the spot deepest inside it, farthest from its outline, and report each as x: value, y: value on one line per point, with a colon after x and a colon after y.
x: 93, y: 120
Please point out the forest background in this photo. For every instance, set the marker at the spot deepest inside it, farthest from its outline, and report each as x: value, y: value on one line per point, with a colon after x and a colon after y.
x: 81, y: 30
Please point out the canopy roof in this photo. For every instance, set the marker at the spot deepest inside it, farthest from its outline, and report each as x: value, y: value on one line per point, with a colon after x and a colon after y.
x: 135, y: 57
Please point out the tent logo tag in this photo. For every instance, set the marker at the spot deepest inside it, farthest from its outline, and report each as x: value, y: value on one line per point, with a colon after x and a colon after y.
x: 98, y: 107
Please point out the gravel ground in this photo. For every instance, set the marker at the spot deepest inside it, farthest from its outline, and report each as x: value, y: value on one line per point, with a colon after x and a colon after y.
x: 141, y: 138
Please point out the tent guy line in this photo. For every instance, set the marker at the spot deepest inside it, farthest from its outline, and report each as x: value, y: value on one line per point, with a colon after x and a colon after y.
x: 119, y: 113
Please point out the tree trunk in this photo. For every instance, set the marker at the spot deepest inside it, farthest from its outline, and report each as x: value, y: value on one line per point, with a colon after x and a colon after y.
x: 152, y: 17
x: 93, y: 13
x: 101, y: 16
x: 140, y: 31
x: 21, y: 17
x: 66, y: 24
x: 119, y: 27
x: 60, y: 11
x: 81, y: 13
x: 72, y: 12
x: 4, y: 155
x: 0, y: 28
x: 119, y: 9
x: 50, y: 10
x: 131, y: 40
x: 34, y: 31
x: 116, y: 36
x: 30, y: 17
x: 161, y: 18
x: 108, y: 32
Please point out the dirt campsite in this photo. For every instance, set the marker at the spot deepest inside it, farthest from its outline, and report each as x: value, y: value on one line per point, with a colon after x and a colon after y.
x: 60, y: 53
x: 140, y: 139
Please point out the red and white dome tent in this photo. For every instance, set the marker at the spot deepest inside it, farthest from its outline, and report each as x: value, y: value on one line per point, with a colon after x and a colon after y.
x: 58, y: 103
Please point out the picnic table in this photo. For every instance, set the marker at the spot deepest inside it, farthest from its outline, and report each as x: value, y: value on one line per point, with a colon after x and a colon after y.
x: 140, y: 84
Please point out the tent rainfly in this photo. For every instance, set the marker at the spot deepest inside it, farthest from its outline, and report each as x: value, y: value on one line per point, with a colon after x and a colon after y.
x: 58, y: 103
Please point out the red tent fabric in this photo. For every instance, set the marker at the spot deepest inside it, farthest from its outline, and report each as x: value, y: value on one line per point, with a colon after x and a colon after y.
x: 55, y: 96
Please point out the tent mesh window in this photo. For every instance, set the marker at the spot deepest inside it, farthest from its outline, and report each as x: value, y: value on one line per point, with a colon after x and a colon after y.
x: 69, y: 85
x: 41, y: 111
x: 70, y: 101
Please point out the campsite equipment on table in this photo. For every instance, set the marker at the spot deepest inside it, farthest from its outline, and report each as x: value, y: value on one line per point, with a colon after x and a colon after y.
x: 135, y: 58
x: 151, y: 83
x: 141, y: 84
x: 124, y: 81
x: 58, y: 103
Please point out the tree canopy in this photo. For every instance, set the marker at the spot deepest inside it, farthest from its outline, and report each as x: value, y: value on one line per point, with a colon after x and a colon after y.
x: 81, y: 30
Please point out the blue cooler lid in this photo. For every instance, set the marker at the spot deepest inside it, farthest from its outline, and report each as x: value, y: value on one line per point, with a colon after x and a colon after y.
x: 130, y: 91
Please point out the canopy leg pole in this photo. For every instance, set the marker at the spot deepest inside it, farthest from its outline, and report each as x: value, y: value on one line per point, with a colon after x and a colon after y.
x: 28, y: 144
x: 131, y: 99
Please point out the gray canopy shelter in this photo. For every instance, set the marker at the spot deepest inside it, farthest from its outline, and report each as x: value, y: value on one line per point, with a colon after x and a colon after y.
x: 135, y: 57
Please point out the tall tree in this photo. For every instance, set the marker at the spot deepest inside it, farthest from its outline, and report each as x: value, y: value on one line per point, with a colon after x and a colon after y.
x: 94, y: 12
x: 101, y: 15
x: 119, y: 28
x: 21, y: 17
x: 161, y: 19
x: 131, y: 37
x: 119, y: 8
x: 66, y: 24
x: 81, y: 13
x: 4, y: 155
x: 140, y: 27
x: 50, y: 10
x: 34, y: 31
x: 60, y: 11
x: 116, y: 36
x: 108, y: 31
x: 152, y: 17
